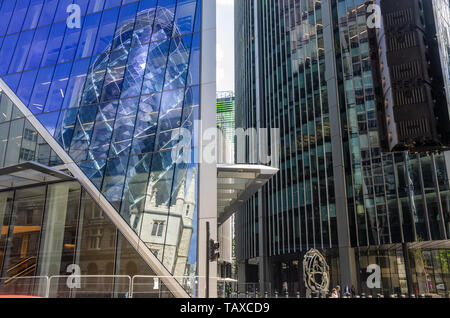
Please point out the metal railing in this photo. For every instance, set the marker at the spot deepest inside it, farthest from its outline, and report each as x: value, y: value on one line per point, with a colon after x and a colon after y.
x: 92, y: 286
x: 146, y: 286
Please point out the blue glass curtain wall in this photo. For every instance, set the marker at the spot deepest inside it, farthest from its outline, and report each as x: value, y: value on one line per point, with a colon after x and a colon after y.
x: 112, y: 93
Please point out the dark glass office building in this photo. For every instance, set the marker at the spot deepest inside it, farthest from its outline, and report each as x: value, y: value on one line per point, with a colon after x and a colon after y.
x: 306, y: 67
x: 91, y: 94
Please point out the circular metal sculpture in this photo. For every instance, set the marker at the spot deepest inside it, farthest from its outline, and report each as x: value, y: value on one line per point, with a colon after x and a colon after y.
x: 315, y: 272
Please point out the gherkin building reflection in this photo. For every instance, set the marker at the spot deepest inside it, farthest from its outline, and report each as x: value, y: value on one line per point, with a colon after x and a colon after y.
x: 119, y: 131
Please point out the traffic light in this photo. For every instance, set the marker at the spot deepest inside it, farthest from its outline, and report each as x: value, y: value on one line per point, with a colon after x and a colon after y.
x: 213, y: 250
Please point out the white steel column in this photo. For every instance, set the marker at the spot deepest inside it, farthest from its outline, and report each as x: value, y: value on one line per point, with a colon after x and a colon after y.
x: 207, y: 198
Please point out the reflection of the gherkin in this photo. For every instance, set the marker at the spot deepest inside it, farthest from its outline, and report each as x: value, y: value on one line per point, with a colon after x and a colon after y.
x: 146, y: 56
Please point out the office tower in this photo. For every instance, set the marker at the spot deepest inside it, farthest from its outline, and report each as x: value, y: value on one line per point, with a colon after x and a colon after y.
x: 226, y: 123
x: 306, y: 67
x: 91, y: 95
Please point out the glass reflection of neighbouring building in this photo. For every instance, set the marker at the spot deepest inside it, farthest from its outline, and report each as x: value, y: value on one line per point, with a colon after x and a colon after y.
x: 111, y: 93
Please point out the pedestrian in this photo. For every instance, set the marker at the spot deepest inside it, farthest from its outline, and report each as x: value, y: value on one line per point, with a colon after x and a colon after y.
x: 353, y: 291
x: 347, y: 291
x: 338, y: 291
x: 334, y: 293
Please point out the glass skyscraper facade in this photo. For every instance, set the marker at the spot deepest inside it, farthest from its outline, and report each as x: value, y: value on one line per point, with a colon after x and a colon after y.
x: 305, y: 67
x: 110, y: 82
x: 226, y: 114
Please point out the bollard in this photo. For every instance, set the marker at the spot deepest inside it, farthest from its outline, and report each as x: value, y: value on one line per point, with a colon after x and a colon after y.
x: 276, y: 294
x: 246, y: 294
x: 287, y: 294
x: 363, y: 295
x: 266, y: 294
x: 298, y: 294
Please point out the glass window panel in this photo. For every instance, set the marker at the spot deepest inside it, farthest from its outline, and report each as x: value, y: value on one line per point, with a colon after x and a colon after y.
x: 22, y: 47
x: 83, y: 132
x: 83, y: 5
x: 184, y: 19
x: 162, y: 28
x: 114, y: 179
x: 135, y: 189
x: 88, y: 35
x: 18, y: 16
x: 129, y: 262
x: 106, y: 32
x: 14, y: 142
x: 12, y: 81
x: 125, y: 26
x: 101, y: 137
x: 95, y: 5
x: 6, y: 13
x: 124, y: 127
x: 61, y: 11
x: 29, y: 141
x: 33, y: 14
x: 37, y: 48
x: 198, y: 16
x: 40, y: 91
x: 94, y: 83
x: 169, y: 118
x: 16, y: 113
x: 23, y: 243
x: 58, y: 87
x: 6, y: 107
x: 96, y: 234
x: 54, y: 42
x: 58, y: 246
x: 26, y: 86
x: 156, y: 67
x: 146, y: 124
x: 194, y: 64
x: 72, y: 97
x: 93, y: 170
x: 112, y: 3
x: 54, y: 159
x: 157, y: 199
x: 70, y: 44
x: 134, y: 73
x: 65, y: 127
x: 48, y: 12
x: 144, y: 22
x: 4, y: 131
x: 184, y: 192
x: 6, y: 200
x: 178, y: 62
x: 43, y: 151
x: 7, y: 51
x: 114, y: 75
x: 49, y: 121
